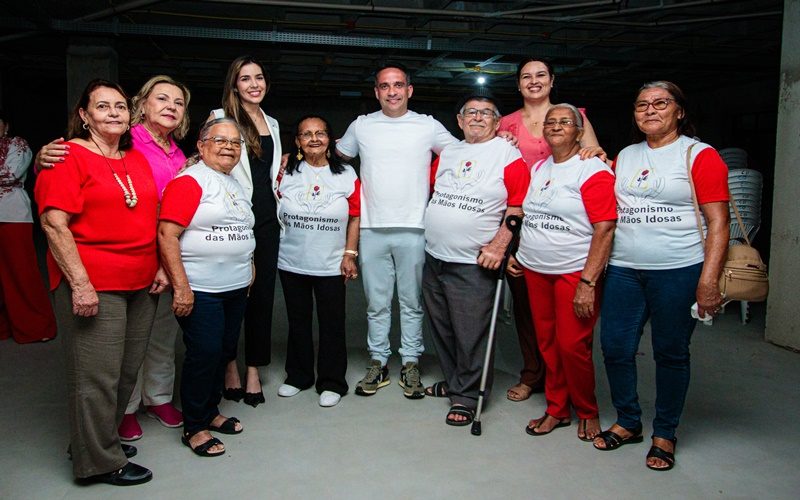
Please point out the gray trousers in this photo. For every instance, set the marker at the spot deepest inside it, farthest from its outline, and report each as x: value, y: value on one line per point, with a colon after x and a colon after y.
x: 103, y: 355
x: 459, y: 299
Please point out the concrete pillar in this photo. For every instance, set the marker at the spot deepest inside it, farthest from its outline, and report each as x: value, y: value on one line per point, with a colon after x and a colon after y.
x: 783, y: 320
x: 88, y: 59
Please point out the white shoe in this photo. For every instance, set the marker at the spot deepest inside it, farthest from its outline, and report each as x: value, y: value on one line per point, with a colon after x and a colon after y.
x: 287, y: 391
x: 328, y: 399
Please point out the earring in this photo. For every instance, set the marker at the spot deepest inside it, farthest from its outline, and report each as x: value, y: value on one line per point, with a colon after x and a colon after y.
x: 128, y: 127
x: 327, y: 154
x: 299, y: 156
x: 85, y: 126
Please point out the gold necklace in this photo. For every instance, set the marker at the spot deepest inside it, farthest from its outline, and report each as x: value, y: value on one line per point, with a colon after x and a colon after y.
x: 162, y: 141
x: 129, y: 192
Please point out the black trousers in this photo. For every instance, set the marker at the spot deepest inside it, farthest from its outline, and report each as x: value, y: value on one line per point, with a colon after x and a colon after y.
x: 210, y: 334
x: 258, y: 315
x: 300, y: 292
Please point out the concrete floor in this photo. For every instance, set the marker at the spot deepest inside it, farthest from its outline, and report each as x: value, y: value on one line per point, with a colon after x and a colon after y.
x: 738, y: 439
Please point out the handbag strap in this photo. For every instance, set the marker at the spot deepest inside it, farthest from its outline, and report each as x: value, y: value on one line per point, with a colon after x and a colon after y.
x: 697, y: 206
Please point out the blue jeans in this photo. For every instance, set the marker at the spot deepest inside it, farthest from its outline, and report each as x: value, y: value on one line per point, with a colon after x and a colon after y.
x: 630, y: 298
x: 210, y: 333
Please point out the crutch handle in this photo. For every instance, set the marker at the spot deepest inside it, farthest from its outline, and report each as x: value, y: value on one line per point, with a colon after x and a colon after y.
x: 514, y: 224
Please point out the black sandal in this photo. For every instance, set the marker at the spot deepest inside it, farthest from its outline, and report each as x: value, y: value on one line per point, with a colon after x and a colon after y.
x: 532, y: 430
x: 437, y: 390
x: 233, y: 393
x: 613, y: 440
x: 201, y: 450
x: 662, y: 454
x: 462, y: 411
x: 582, y: 429
x: 227, y: 427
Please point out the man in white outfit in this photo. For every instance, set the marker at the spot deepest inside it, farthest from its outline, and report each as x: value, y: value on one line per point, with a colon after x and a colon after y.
x: 395, y: 146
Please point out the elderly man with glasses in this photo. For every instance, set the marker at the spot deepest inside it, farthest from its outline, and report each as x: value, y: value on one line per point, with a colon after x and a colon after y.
x: 478, y: 183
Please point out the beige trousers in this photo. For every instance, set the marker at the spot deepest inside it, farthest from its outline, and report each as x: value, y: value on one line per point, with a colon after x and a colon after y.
x: 156, y: 380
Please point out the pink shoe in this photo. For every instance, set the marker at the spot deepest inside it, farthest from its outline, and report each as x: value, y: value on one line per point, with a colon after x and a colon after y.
x: 166, y: 414
x: 129, y: 429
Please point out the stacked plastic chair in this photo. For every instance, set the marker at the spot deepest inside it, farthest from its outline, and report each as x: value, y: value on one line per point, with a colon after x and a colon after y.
x: 745, y: 186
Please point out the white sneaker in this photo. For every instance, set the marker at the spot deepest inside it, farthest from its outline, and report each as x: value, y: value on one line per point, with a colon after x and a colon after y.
x: 328, y: 399
x: 287, y: 391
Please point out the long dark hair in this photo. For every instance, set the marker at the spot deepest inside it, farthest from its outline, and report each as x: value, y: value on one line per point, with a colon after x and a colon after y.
x: 334, y: 161
x: 75, y: 124
x: 527, y: 60
x: 685, y: 125
x: 232, y: 105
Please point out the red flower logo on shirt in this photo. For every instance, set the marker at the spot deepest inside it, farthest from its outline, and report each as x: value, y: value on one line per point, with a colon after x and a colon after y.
x: 466, y: 169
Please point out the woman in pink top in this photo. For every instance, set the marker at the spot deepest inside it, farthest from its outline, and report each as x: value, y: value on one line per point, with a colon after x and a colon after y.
x: 535, y: 79
x: 158, y: 118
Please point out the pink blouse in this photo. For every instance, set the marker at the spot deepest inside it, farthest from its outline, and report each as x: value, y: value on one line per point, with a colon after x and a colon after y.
x: 164, y: 165
x: 533, y: 149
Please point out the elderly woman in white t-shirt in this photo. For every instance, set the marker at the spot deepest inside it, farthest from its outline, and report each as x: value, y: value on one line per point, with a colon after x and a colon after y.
x: 566, y: 235
x: 205, y: 235
x: 320, y: 209
x: 659, y: 267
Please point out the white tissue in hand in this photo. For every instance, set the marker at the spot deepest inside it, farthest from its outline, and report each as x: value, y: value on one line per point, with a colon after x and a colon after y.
x: 706, y: 319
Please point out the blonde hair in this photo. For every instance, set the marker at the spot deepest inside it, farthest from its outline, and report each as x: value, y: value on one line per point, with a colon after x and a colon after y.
x: 137, y: 115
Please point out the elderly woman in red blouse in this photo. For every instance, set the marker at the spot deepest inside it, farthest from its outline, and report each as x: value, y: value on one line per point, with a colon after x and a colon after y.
x: 98, y: 210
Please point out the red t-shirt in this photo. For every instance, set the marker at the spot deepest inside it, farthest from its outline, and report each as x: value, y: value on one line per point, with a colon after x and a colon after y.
x: 116, y: 244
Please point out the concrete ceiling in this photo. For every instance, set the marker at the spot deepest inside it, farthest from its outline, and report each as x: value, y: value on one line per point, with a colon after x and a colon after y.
x: 328, y: 47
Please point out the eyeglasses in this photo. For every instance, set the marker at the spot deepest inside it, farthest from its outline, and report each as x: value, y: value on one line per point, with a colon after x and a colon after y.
x: 564, y: 123
x: 658, y: 104
x: 222, y: 142
x: 308, y: 135
x: 396, y: 85
x: 473, y: 113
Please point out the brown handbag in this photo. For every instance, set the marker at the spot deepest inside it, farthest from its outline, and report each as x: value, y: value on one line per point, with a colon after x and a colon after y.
x: 744, y: 274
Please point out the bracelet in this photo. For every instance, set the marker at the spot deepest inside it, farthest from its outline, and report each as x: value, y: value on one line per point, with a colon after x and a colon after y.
x: 351, y: 252
x: 588, y: 283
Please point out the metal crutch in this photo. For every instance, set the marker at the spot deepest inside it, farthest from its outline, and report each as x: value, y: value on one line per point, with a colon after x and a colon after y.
x: 513, y: 223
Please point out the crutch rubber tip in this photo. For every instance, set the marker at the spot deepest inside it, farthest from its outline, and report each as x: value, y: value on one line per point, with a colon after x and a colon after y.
x: 476, y: 428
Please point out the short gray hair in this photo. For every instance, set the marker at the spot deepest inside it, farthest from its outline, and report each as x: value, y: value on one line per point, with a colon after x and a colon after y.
x: 575, y: 112
x: 217, y: 121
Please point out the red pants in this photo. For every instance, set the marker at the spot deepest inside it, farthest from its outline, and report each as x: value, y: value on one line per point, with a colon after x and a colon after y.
x: 25, y: 310
x: 565, y: 342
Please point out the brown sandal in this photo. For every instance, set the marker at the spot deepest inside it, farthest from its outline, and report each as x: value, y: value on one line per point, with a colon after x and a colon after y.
x: 519, y: 392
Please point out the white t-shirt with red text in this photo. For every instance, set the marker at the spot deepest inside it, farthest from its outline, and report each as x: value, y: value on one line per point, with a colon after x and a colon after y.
x: 564, y: 200
x: 395, y: 165
x: 474, y: 185
x: 657, y: 227
x: 217, y: 244
x: 315, y: 208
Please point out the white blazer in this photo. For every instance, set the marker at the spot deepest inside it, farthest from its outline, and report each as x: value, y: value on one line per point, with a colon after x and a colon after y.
x: 241, y: 172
